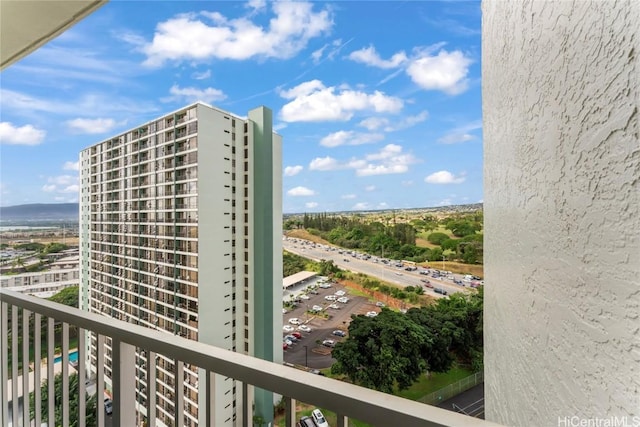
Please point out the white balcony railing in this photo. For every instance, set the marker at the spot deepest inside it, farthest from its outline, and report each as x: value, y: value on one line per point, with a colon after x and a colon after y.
x: 344, y: 399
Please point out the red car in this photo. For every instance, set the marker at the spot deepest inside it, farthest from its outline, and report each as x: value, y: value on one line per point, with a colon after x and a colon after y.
x: 284, y: 346
x: 297, y: 335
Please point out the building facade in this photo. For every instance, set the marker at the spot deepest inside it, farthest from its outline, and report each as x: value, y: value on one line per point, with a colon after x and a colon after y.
x: 177, y: 225
x: 561, y: 95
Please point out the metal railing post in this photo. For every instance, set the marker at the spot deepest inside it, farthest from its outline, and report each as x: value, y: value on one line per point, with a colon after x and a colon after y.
x: 4, y: 364
x: 123, y: 381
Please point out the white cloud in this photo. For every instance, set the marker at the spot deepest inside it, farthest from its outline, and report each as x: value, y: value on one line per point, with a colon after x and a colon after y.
x: 323, y: 164
x: 360, y: 206
x: 313, y: 102
x: 90, y: 103
x: 20, y: 135
x: 48, y: 188
x: 374, y: 123
x: 382, y: 205
x: 461, y: 133
x: 201, y: 75
x: 342, y: 137
x: 191, y: 94
x: 407, y: 183
x: 389, y: 160
x: 444, y: 177
x: 188, y: 37
x: 311, y: 205
x: 348, y: 196
x: 64, y: 180
x: 71, y: 166
x: 370, y: 188
x: 293, y: 170
x: 91, y: 126
x: 332, y: 48
x: 446, y: 71
x: 301, y: 191
x: 369, y: 56
x: 256, y: 4
x: 71, y: 189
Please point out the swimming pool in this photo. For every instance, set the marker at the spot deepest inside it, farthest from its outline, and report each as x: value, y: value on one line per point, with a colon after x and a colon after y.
x: 73, y: 357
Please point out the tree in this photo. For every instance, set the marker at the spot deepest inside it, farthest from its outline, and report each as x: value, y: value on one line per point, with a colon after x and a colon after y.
x: 90, y: 406
x: 437, y: 238
x: 68, y: 296
x: 382, y: 351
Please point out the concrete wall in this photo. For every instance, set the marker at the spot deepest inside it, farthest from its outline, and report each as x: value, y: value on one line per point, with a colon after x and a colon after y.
x: 561, y: 92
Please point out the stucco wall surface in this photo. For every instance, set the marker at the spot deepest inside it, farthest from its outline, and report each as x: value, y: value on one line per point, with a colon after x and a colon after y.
x: 561, y: 89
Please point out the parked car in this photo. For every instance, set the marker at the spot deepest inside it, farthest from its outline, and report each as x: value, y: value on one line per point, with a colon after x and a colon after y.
x: 319, y: 418
x: 108, y: 406
x: 329, y: 343
x: 340, y: 293
x: 291, y: 338
x: 316, y: 308
x: 288, y: 328
x: 440, y: 291
x: 334, y: 306
x: 380, y: 304
x: 289, y: 343
x: 371, y: 314
x: 343, y: 300
x: 298, y: 335
x: 304, y: 328
x: 330, y: 297
x: 304, y: 297
x: 306, y: 422
x: 339, y: 333
x: 295, y: 321
x: 325, y: 285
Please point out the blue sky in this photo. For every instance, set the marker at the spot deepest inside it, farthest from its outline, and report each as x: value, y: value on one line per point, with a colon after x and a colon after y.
x: 378, y: 102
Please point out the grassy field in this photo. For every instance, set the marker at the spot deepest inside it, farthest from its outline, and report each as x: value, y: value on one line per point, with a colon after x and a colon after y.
x: 427, y: 385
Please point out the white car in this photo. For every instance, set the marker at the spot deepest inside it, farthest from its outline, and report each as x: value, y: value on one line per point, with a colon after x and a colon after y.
x: 304, y: 328
x: 371, y: 314
x: 340, y: 293
x: 343, y: 300
x: 319, y: 419
x: 284, y: 311
x: 316, y: 308
x: 330, y: 297
x: 295, y: 321
x: 288, y: 328
x: 288, y: 342
x: 304, y: 296
x: 325, y: 285
x: 335, y: 306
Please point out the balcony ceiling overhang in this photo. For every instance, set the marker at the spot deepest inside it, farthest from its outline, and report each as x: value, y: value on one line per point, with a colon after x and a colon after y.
x: 26, y: 25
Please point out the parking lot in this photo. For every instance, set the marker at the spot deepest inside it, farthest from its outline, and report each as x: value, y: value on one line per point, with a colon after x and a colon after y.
x: 309, y: 351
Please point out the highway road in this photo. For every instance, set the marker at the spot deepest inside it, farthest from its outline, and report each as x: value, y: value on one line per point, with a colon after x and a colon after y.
x: 371, y: 267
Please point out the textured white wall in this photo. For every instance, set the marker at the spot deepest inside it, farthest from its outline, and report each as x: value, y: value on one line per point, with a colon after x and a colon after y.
x: 561, y: 90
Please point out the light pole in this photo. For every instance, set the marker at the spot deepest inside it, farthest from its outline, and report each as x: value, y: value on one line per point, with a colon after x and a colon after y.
x: 306, y: 357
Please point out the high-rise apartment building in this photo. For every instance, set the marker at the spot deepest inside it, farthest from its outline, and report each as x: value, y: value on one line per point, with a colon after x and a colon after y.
x: 180, y: 224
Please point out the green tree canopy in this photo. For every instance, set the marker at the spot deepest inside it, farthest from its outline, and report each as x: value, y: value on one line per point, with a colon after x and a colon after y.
x: 437, y: 238
x: 382, y: 351
x: 68, y: 296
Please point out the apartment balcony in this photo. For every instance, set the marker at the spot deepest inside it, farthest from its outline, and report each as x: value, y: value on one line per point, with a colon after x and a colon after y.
x: 346, y: 400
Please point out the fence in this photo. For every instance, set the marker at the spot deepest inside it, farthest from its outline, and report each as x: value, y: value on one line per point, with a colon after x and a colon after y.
x: 452, y: 389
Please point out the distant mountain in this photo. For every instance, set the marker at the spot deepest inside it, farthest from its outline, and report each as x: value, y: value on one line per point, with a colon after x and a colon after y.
x: 40, y: 212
